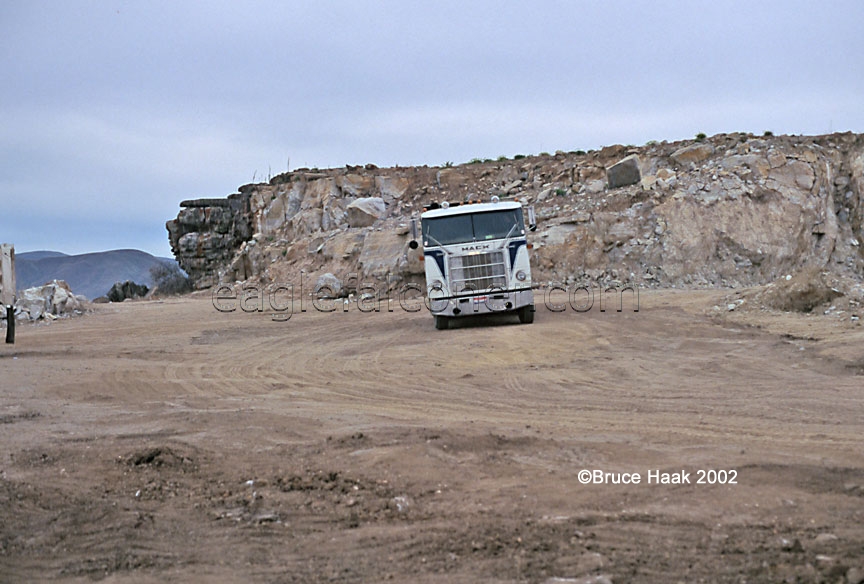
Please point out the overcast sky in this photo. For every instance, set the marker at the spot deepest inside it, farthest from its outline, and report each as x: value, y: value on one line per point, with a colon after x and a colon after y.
x: 112, y: 112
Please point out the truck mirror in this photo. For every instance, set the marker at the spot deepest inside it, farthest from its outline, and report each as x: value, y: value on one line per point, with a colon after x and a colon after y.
x: 413, y: 244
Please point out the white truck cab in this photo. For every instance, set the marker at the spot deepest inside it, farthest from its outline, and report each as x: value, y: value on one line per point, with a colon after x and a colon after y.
x: 476, y: 260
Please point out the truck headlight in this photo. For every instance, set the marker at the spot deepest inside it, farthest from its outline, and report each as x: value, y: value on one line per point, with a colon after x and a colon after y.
x: 436, y: 285
x: 520, y: 275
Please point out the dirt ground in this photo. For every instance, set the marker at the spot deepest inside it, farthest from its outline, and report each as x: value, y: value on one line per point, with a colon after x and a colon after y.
x: 166, y: 441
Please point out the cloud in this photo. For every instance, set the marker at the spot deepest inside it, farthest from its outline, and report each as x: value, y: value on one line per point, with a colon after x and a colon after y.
x: 528, y: 127
x: 93, y: 175
x: 114, y: 111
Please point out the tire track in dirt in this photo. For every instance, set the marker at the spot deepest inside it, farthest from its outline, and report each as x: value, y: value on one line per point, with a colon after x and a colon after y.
x: 464, y: 445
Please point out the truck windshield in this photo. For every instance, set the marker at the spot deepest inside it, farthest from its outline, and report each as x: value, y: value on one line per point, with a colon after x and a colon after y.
x: 473, y: 227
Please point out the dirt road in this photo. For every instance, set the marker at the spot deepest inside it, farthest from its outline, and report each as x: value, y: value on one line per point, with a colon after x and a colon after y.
x: 153, y: 442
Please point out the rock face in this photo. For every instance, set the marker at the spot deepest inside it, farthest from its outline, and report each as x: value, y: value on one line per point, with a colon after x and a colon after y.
x: 732, y: 210
x: 206, y: 234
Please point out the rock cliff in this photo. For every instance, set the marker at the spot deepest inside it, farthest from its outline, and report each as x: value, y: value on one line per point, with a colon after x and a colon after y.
x: 206, y: 234
x: 727, y: 211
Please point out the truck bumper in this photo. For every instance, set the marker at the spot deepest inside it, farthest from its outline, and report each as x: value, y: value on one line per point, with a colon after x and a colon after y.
x: 492, y: 303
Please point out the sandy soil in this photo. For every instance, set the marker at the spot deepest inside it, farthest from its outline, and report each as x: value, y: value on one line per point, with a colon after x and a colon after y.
x: 152, y: 442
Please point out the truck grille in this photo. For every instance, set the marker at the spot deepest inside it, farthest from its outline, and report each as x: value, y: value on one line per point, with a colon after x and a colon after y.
x: 477, y: 272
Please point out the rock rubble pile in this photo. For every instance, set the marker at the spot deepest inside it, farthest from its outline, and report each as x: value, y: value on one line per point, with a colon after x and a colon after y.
x: 49, y: 302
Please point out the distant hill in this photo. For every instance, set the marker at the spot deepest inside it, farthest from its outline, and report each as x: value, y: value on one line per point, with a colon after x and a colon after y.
x: 90, y: 274
x: 39, y: 255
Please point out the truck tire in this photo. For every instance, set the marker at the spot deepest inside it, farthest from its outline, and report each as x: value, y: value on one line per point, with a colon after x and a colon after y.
x: 526, y: 314
x: 442, y: 323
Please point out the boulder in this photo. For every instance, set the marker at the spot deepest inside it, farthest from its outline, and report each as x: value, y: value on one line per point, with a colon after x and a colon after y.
x: 544, y: 194
x: 595, y: 186
x: 330, y: 285
x: 62, y: 297
x: 694, y: 153
x: 624, y: 172
x: 35, y: 307
x: 121, y: 291
x: 364, y: 212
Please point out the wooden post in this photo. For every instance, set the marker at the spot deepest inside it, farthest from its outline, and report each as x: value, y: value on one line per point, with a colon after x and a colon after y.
x: 10, y: 324
x: 7, y: 288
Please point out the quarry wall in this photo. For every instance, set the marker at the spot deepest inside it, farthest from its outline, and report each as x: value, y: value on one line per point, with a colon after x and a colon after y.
x: 731, y: 210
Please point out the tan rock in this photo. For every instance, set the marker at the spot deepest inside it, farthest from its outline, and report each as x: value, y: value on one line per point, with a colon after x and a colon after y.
x: 342, y: 245
x: 318, y: 191
x: 450, y: 178
x: 596, y: 186
x: 366, y: 211
x: 776, y: 159
x: 391, y: 187
x: 383, y: 253
x: 808, y: 156
x: 591, y: 173
x: 355, y: 185
x: 694, y: 153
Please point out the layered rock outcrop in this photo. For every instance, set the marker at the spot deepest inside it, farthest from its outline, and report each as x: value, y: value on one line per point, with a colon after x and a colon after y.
x: 206, y: 234
x: 731, y: 210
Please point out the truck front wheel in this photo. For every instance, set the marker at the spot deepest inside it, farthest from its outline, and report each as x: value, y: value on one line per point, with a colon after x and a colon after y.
x: 526, y: 314
x: 442, y: 323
